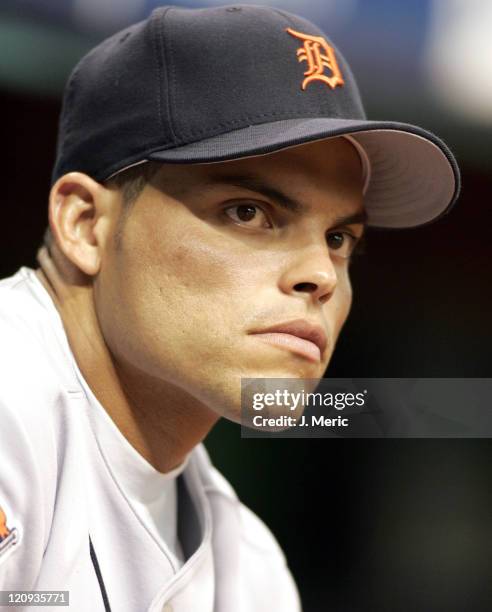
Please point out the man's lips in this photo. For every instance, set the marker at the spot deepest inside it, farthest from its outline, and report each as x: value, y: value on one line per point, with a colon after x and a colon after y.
x: 300, y: 336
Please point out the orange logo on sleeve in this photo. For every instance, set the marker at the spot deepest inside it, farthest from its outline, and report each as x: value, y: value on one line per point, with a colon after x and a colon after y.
x: 319, y: 56
x: 4, y: 530
x: 8, y: 537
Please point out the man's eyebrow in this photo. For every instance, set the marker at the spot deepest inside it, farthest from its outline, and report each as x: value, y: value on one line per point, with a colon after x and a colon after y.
x: 255, y: 183
x: 358, y: 217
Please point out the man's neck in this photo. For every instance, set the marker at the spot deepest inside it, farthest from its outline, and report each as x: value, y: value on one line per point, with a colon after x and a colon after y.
x: 161, y: 421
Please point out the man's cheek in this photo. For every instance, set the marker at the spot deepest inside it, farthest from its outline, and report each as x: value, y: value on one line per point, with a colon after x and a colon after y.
x: 199, y: 266
x: 338, y: 307
x: 348, y: 296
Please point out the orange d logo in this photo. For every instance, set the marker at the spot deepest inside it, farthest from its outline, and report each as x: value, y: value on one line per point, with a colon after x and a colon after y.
x: 319, y: 55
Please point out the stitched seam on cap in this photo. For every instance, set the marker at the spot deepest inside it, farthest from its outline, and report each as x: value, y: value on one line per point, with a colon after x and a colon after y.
x: 154, y: 37
x: 170, y: 79
x: 67, y: 127
x: 287, y: 18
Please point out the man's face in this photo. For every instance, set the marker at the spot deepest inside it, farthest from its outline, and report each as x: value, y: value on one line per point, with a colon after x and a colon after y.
x: 212, y: 254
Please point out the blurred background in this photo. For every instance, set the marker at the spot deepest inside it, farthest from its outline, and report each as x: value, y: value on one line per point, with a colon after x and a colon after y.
x: 366, y: 525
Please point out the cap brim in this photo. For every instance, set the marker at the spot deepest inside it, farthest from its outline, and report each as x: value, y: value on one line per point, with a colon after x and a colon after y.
x: 414, y: 177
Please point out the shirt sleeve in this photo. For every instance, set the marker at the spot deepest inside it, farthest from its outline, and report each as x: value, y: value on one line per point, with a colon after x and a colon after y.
x: 23, y: 504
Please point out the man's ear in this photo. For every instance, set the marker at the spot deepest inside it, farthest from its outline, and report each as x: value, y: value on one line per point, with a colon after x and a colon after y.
x: 79, y: 216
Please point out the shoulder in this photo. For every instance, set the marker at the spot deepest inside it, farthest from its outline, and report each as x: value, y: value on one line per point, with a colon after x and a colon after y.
x: 33, y: 364
x: 35, y: 375
x: 24, y: 311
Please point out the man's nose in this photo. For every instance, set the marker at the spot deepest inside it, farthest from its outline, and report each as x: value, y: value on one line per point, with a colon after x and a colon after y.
x: 312, y: 274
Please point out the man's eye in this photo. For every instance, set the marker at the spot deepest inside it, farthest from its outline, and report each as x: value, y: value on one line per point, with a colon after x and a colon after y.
x: 342, y: 243
x: 248, y: 214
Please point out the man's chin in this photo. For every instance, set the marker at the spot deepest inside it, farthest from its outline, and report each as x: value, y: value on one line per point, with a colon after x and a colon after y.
x: 276, y: 387
x: 289, y: 367
x: 231, y: 397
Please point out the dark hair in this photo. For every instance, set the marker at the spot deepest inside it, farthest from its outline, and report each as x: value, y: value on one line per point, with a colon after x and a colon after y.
x: 132, y: 180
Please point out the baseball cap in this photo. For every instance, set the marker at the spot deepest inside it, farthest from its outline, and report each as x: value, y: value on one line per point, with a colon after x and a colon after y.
x: 224, y: 83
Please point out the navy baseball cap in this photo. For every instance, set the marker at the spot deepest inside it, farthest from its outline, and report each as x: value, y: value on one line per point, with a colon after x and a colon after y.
x: 224, y: 83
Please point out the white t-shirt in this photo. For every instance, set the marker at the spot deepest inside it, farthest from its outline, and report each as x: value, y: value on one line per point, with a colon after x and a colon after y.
x: 82, y: 511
